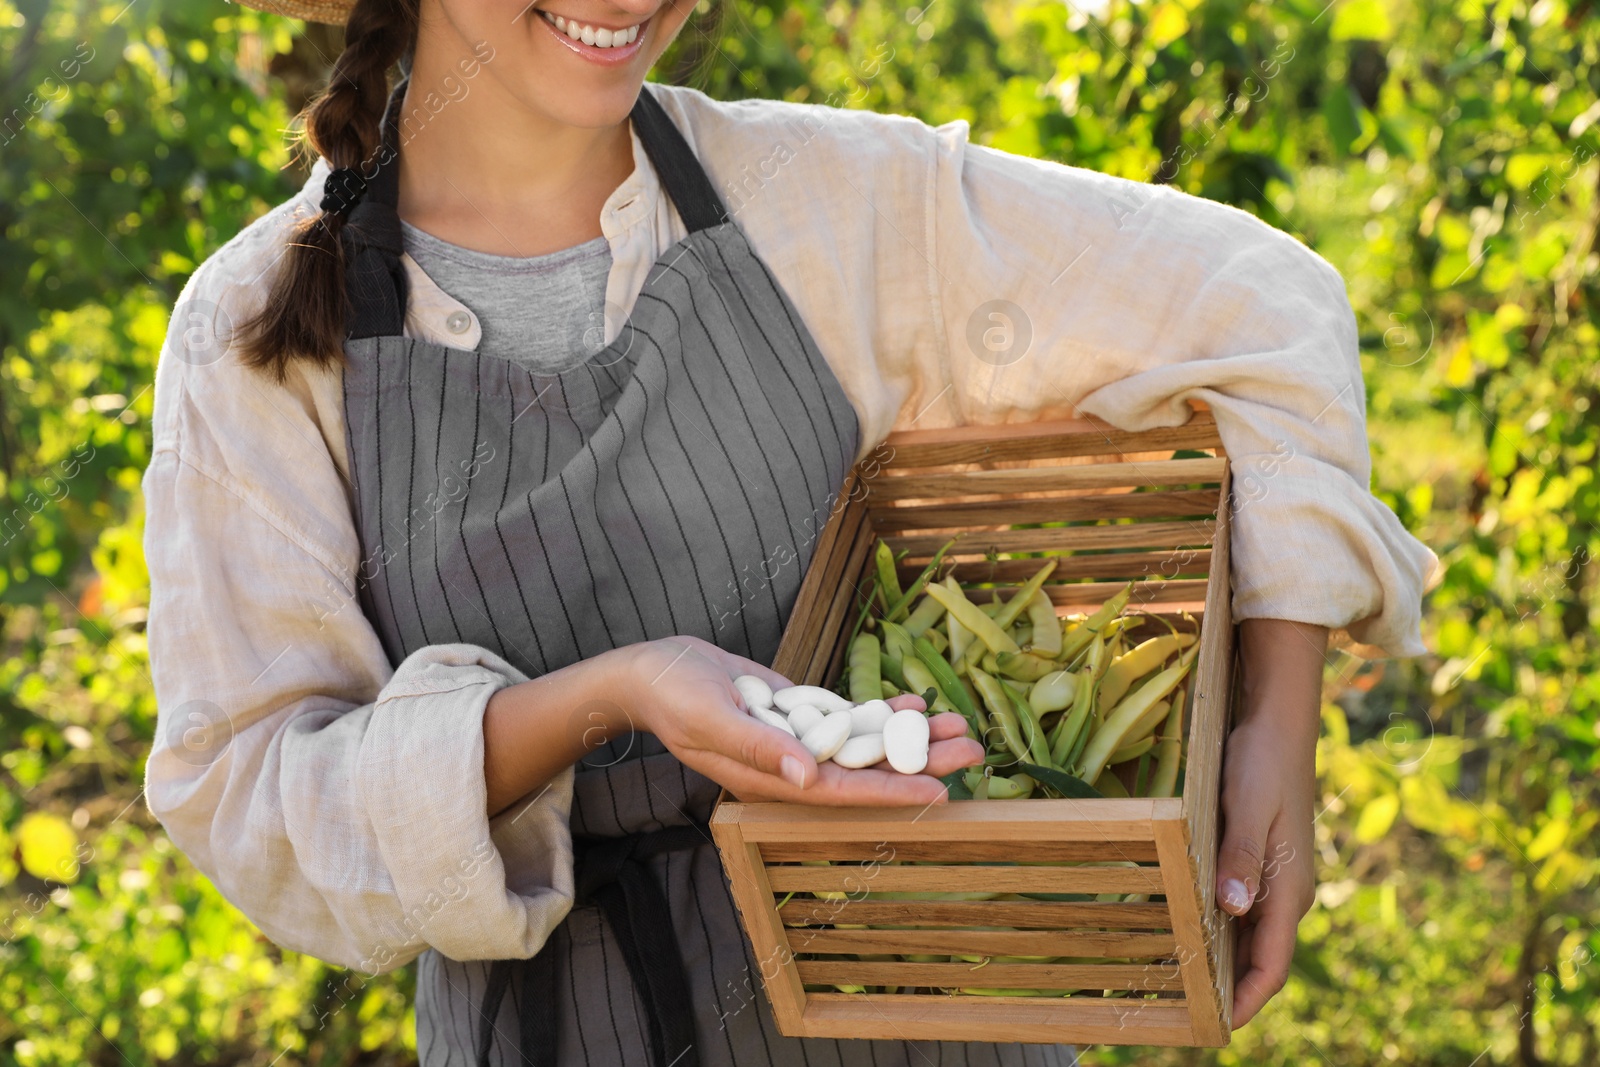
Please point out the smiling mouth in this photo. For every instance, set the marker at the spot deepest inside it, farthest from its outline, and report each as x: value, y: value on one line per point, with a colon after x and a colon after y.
x: 593, y: 36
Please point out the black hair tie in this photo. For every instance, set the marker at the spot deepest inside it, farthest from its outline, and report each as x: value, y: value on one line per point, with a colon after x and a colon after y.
x: 342, y: 191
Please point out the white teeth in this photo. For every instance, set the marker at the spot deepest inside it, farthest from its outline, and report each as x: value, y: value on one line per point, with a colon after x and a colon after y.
x: 594, y: 36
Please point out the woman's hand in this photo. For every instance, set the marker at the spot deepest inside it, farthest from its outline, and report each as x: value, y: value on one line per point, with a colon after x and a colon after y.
x: 681, y: 690
x: 1265, y: 870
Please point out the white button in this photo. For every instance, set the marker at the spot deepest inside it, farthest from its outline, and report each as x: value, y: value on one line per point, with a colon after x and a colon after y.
x: 458, y: 322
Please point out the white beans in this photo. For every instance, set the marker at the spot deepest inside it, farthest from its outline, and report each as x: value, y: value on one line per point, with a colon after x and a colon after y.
x: 804, y: 718
x: 824, y: 700
x: 826, y: 738
x: 862, y: 751
x: 853, y: 736
x: 869, y: 718
x: 905, y: 741
x: 773, y: 719
x: 756, y: 693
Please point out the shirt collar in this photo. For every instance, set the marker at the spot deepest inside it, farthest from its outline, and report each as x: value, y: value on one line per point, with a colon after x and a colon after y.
x: 434, y: 315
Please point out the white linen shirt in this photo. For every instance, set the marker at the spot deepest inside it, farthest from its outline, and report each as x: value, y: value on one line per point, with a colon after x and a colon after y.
x: 341, y: 804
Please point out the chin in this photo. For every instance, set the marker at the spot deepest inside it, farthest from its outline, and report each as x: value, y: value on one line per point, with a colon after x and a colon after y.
x: 578, y: 62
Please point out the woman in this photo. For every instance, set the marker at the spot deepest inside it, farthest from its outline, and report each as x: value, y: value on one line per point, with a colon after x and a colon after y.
x: 465, y: 457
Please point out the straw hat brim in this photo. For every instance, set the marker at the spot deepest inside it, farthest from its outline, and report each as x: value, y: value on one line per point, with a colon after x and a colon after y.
x: 335, y: 12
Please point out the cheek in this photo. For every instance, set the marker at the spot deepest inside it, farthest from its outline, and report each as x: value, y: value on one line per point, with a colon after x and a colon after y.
x: 666, y: 24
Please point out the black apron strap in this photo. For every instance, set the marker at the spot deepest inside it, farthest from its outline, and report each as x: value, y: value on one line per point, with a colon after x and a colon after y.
x: 681, y: 174
x: 611, y: 873
x: 375, y: 280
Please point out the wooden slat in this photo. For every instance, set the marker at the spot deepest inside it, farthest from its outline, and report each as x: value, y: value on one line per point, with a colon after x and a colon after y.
x: 983, y: 943
x: 1077, y: 437
x: 982, y: 820
x: 1158, y: 473
x: 820, y: 585
x: 855, y: 879
x: 890, y: 518
x: 1032, y: 915
x: 1151, y: 566
x: 1192, y: 533
x: 1055, y: 1020
x: 841, y: 611
x: 1146, y: 977
x: 960, y: 851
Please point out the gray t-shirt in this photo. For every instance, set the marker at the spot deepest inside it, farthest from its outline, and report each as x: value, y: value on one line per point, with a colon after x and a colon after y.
x: 545, y: 313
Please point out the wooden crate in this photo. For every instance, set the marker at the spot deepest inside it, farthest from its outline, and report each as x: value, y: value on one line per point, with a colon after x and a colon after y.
x: 1157, y: 519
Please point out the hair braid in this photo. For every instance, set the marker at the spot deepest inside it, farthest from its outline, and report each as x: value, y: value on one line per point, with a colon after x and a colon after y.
x: 306, y: 308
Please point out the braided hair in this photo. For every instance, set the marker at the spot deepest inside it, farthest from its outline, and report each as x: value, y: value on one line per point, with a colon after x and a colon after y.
x: 306, y: 308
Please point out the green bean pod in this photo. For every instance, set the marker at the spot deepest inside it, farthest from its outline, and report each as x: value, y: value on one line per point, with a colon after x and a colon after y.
x: 866, y: 678
x: 1071, y: 729
x: 889, y: 670
x: 922, y: 680
x: 1038, y: 747
x: 887, y: 688
x: 944, y: 677
x: 888, y: 580
x: 1000, y: 712
x: 1015, y: 787
x: 922, y: 579
x: 1092, y: 626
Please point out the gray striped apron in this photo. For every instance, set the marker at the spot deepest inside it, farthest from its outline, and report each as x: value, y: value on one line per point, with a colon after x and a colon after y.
x: 673, y: 484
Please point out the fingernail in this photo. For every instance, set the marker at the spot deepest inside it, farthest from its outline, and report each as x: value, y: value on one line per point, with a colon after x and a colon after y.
x: 1235, y: 894
x: 793, y: 771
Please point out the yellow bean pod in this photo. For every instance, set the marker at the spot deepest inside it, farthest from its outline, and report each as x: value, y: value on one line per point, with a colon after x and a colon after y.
x: 1053, y: 692
x: 968, y: 614
x: 1138, y: 662
x: 1046, y: 626
x: 1108, y: 738
x: 1169, y: 753
x: 1017, y: 604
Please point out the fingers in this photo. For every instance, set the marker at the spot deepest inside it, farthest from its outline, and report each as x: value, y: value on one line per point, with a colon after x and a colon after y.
x: 741, y: 739
x: 834, y: 785
x: 1244, y: 848
x: 1267, y: 948
x: 952, y: 755
x: 908, y: 701
x: 946, y: 725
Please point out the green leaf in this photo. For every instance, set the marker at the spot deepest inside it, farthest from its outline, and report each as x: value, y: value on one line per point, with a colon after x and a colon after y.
x: 957, y: 788
x: 1377, y: 817
x: 49, y: 847
x: 1341, y: 109
x: 1061, y: 781
x: 1361, y: 20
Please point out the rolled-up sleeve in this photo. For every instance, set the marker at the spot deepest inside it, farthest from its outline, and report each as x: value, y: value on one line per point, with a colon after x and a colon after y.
x: 341, y: 805
x: 1065, y: 292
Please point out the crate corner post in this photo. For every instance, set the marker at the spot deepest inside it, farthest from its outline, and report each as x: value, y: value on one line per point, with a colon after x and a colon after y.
x: 752, y: 895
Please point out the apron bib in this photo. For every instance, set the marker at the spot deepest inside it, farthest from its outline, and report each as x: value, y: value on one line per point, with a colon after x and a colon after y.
x: 673, y: 484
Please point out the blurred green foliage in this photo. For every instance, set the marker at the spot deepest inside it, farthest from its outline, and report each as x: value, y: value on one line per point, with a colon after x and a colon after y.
x: 1441, y: 155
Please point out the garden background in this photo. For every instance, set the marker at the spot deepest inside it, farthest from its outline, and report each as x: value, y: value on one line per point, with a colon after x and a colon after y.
x: 1441, y: 155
